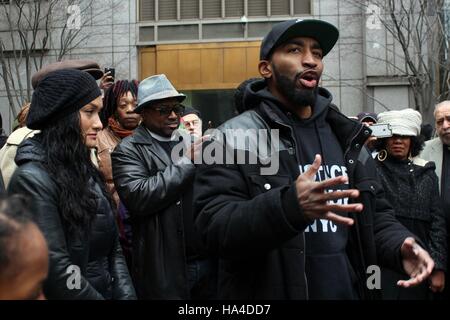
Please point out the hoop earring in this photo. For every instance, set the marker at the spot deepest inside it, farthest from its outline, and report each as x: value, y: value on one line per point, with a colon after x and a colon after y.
x: 382, y: 155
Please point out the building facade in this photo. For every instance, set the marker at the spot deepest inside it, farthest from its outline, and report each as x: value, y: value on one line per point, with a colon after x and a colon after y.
x: 208, y: 47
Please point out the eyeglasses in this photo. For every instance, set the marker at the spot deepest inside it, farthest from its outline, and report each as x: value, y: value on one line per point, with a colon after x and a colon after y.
x: 165, y: 110
x: 193, y: 123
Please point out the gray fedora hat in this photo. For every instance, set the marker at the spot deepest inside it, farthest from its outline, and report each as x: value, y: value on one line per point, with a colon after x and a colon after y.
x: 155, y: 88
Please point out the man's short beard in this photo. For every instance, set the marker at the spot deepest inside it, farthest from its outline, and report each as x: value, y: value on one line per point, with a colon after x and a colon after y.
x: 299, y: 97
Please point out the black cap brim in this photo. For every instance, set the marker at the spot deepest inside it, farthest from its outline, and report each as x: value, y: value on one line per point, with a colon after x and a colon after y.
x: 325, y: 33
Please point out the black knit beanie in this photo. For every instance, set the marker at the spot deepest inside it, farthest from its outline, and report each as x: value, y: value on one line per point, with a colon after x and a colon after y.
x: 190, y: 110
x: 58, y: 94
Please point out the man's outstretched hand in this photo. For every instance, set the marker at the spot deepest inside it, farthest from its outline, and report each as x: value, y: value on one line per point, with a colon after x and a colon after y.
x: 416, y: 262
x: 317, y: 203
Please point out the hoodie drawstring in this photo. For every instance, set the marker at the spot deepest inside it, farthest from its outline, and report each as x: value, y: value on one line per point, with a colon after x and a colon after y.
x: 325, y: 168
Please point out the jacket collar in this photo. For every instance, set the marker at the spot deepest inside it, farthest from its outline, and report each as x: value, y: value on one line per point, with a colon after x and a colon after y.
x: 348, y: 132
x: 142, y: 136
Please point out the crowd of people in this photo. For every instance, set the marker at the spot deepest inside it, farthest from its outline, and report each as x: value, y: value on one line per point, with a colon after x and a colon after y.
x: 101, y: 202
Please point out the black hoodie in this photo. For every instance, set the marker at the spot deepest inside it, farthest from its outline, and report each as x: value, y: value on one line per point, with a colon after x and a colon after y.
x: 327, y: 266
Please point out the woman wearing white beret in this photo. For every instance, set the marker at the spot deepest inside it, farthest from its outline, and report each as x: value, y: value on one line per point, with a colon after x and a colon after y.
x: 411, y: 186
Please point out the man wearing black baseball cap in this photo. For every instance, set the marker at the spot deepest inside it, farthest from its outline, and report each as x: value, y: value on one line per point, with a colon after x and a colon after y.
x: 312, y: 229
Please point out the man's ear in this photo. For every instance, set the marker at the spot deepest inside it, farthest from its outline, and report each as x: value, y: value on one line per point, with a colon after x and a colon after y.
x: 265, y: 69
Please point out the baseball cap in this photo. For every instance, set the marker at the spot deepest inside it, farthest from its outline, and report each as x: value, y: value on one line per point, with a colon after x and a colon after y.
x: 325, y: 33
x: 367, y: 115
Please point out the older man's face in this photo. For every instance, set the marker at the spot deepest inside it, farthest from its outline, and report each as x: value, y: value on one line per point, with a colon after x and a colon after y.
x: 193, y: 124
x: 442, y: 116
x: 163, y: 116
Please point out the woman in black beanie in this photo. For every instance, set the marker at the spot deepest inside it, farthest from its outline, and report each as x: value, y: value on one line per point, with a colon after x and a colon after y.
x: 72, y: 206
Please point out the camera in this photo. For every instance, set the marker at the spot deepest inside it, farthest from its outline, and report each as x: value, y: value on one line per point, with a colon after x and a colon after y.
x: 112, y: 72
x: 381, y: 130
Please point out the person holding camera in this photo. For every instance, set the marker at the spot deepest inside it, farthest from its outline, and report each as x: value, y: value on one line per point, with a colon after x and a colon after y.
x: 107, y: 80
x: 411, y: 186
x: 369, y: 119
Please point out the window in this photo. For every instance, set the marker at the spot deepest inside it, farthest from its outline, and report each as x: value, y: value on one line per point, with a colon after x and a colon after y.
x: 257, y: 8
x: 218, y: 31
x: 146, y: 34
x: 280, y: 7
x: 212, y: 9
x: 167, y: 10
x: 189, y: 9
x: 147, y: 11
x: 302, y: 7
x: 183, y: 32
x: 234, y: 8
x: 173, y: 20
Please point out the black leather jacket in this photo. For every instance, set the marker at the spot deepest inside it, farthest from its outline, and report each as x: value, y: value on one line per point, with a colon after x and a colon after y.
x: 254, y: 224
x: 97, y: 253
x: 152, y: 189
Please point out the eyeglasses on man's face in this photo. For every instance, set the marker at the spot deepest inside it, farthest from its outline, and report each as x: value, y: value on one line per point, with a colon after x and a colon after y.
x: 165, y: 110
x: 192, y: 123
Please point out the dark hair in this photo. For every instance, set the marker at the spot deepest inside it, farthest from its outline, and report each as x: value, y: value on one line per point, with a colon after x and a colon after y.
x: 113, y: 94
x: 14, y: 216
x: 426, y: 130
x: 417, y: 144
x: 68, y: 162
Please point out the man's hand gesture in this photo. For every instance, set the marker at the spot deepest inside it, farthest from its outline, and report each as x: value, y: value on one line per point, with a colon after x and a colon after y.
x: 314, y: 201
x: 416, y: 262
x: 195, y: 148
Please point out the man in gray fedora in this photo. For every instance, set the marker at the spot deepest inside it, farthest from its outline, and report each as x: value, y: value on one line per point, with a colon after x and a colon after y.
x: 157, y: 190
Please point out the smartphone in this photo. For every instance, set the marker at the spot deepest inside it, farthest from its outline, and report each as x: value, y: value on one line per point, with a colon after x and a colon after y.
x: 381, y: 130
x: 112, y: 72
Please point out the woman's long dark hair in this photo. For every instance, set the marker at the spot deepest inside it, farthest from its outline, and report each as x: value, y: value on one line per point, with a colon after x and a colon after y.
x: 68, y: 162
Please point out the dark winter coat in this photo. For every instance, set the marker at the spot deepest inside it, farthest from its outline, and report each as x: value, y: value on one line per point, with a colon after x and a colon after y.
x: 412, y: 189
x: 254, y: 224
x: 96, y: 252
x: 152, y: 189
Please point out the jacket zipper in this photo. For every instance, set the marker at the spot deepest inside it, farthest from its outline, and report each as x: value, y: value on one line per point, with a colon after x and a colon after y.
x: 357, y: 231
x: 294, y: 142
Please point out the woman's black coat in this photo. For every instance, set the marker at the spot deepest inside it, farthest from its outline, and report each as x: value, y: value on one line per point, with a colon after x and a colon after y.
x: 85, y: 266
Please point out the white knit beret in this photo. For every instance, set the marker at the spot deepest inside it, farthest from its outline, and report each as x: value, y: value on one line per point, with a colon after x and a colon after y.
x: 404, y: 122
